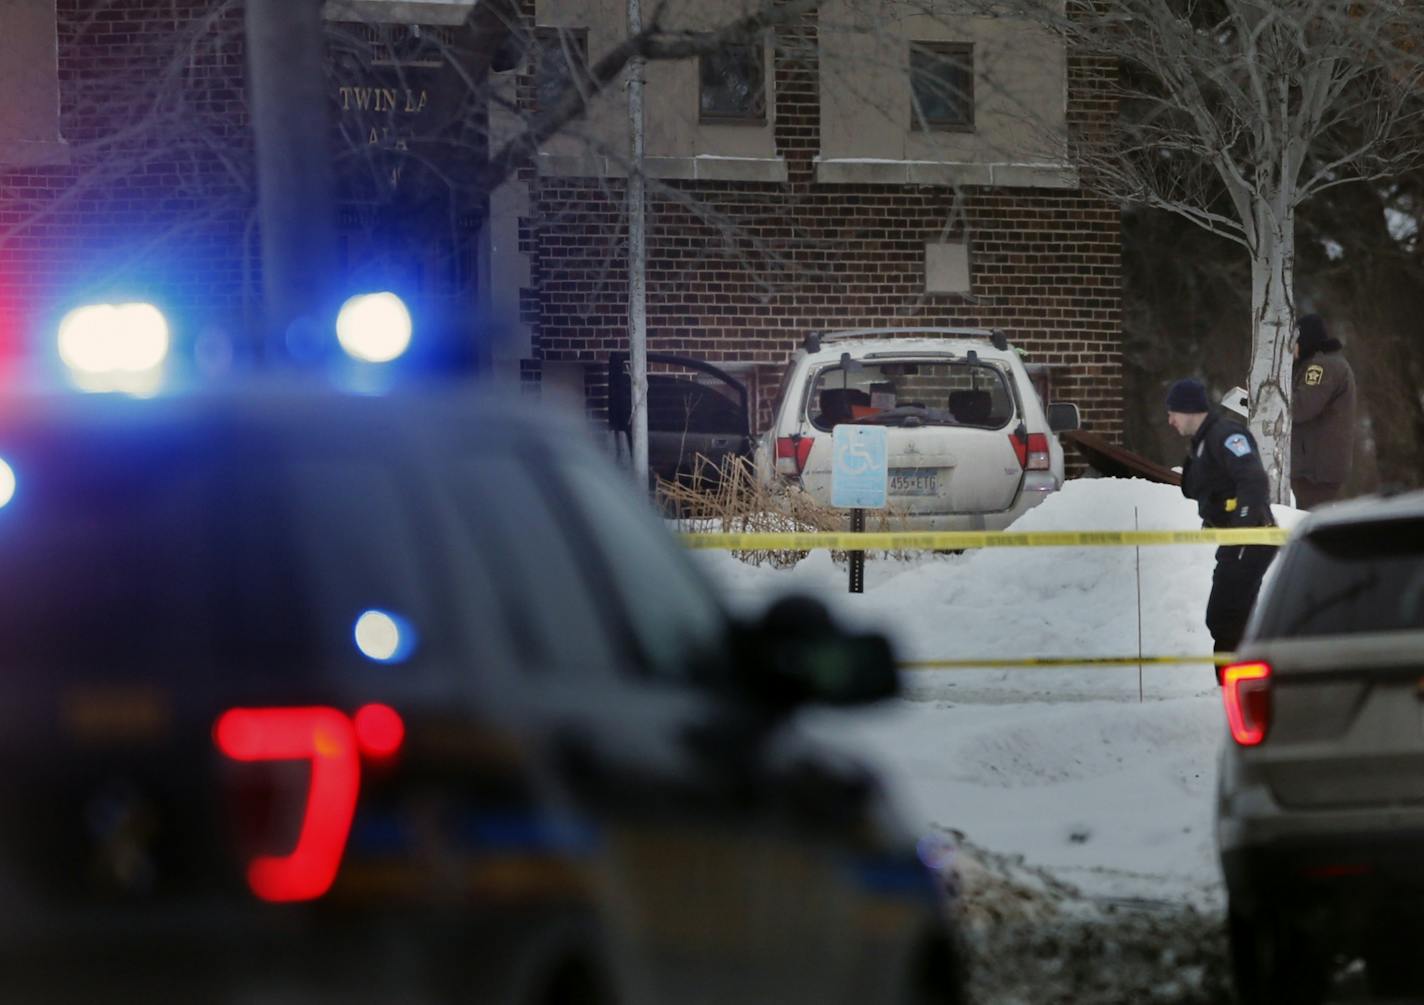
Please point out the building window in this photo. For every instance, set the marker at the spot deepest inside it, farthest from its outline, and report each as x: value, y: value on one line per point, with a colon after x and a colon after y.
x: 408, y: 45
x: 942, y: 85
x: 562, y: 55
x: 733, y: 84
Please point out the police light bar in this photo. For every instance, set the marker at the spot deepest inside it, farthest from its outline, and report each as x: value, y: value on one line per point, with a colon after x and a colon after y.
x: 114, y: 347
x: 374, y: 327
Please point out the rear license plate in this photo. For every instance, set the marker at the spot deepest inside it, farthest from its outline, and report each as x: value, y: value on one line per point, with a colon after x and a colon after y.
x: 914, y: 481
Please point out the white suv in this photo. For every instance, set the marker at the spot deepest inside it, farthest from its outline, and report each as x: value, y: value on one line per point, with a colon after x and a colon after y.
x: 971, y: 446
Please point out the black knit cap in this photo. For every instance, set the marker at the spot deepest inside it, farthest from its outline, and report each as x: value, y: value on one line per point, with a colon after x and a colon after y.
x: 1187, y: 395
x: 1313, y: 336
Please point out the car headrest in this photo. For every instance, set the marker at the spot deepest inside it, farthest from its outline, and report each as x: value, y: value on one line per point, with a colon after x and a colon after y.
x: 971, y: 407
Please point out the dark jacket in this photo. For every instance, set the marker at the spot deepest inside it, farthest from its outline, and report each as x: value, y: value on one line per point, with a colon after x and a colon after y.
x: 1323, y: 413
x: 1224, y: 474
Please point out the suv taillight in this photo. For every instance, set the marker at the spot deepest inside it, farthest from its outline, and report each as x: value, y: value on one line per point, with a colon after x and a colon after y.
x: 1032, y: 451
x: 791, y: 453
x: 1246, y: 693
x: 334, y: 743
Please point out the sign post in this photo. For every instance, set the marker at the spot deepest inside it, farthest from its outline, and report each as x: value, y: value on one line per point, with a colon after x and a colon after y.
x: 858, y: 482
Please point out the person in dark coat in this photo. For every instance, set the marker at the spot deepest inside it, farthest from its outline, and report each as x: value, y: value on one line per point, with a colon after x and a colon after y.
x: 1323, y: 416
x: 1223, y: 473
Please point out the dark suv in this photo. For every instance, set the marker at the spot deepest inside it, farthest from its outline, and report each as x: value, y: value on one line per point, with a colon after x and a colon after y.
x: 1320, y: 815
x: 397, y: 698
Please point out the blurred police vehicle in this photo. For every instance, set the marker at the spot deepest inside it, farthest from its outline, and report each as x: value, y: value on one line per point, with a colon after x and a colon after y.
x: 1320, y: 812
x: 322, y: 696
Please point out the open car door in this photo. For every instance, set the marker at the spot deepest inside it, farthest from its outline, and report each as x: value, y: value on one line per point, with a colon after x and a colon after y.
x: 694, y: 408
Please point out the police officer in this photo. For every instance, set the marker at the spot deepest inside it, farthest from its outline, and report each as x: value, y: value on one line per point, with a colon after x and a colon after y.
x: 1323, y: 414
x: 1224, y: 474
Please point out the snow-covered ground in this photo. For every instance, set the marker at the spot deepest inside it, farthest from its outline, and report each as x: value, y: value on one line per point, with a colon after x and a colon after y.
x: 1076, y: 770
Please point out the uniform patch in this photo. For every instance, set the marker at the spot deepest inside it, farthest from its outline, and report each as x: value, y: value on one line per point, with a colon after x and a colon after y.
x: 1238, y: 444
x: 1314, y: 374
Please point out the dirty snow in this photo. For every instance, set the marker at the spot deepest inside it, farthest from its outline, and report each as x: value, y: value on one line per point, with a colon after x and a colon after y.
x: 1085, y: 792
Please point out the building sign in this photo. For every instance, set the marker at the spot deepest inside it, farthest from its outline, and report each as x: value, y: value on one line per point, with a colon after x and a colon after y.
x: 386, y: 87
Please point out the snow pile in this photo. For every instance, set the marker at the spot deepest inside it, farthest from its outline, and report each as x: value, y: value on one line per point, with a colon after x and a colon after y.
x: 1032, y: 939
x: 1066, y: 767
x: 1077, y: 802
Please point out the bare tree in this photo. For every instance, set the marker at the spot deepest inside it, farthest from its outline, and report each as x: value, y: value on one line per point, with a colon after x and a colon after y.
x: 1235, y: 114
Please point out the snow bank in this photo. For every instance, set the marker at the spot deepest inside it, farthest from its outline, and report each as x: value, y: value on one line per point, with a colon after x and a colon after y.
x: 1066, y: 767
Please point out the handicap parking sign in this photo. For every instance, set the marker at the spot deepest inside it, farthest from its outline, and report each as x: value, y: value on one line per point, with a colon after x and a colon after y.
x: 859, y: 472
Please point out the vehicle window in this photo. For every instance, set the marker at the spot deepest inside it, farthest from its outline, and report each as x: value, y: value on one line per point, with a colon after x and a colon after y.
x: 136, y: 558
x: 364, y: 565
x: 1346, y: 580
x: 675, y: 618
x: 911, y: 393
x: 676, y: 404
x: 104, y: 566
x: 551, y: 608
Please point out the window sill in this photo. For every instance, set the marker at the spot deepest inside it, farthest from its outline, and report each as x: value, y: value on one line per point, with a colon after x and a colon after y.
x: 753, y: 121
x: 705, y: 167
x: 435, y: 12
x: 868, y: 171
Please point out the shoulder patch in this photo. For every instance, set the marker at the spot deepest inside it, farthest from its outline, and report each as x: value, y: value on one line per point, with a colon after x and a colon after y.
x: 1314, y: 374
x: 1238, y: 444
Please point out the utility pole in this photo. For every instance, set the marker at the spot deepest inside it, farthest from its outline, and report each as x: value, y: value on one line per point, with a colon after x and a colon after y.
x: 288, y: 99
x: 637, y: 260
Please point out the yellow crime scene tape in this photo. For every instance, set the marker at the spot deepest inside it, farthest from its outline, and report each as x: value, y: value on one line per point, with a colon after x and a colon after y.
x: 956, y: 540
x: 960, y: 540
x: 1065, y: 661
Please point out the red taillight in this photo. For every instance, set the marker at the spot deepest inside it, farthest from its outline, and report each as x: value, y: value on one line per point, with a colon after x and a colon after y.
x: 791, y: 453
x: 1246, y: 692
x: 333, y: 743
x: 379, y: 730
x: 1037, y: 452
x: 1032, y: 451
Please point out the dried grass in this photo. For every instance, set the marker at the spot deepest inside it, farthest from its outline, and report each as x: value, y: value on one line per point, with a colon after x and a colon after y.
x: 727, y: 498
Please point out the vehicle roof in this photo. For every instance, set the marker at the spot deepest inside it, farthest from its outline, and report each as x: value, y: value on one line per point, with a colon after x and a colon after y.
x: 860, y: 341
x: 1366, y: 509
x: 280, y: 403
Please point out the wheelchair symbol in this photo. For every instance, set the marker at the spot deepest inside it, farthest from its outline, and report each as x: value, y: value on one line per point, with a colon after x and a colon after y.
x: 854, y: 458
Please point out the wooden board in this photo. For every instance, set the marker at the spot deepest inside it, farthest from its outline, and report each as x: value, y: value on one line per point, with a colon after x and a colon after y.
x: 1117, y: 462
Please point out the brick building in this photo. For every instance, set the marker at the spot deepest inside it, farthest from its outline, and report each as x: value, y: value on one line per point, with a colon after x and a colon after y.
x: 143, y: 205
x: 828, y: 204
x: 830, y: 188
x: 127, y: 167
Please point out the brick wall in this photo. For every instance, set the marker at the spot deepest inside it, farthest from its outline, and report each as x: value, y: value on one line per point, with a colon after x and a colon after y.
x: 149, y: 205
x: 741, y: 271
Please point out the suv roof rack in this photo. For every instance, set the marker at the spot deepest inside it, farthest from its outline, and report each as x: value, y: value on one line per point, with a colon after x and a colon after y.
x: 815, y: 340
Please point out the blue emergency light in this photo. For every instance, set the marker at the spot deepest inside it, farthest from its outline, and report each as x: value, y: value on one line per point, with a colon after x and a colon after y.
x: 374, y: 327
x: 115, y: 347
x: 383, y: 637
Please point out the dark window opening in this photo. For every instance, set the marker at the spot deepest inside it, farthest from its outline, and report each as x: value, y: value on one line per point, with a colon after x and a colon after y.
x: 733, y: 84
x: 562, y: 64
x: 408, y: 45
x: 942, y: 85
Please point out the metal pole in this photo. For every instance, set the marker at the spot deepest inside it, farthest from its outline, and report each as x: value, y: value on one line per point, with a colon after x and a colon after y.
x: 637, y: 259
x: 288, y: 103
x: 857, y: 558
x: 1138, y: 553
